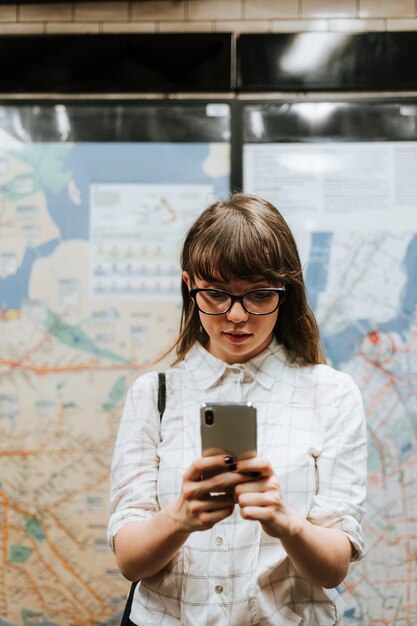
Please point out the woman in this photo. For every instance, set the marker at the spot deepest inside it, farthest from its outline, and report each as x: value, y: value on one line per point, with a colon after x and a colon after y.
x: 272, y: 550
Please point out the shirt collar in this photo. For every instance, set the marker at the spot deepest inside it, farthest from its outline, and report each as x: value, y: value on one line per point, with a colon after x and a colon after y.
x: 265, y: 368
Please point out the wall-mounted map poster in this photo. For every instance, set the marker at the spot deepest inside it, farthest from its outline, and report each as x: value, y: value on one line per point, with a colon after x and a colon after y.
x: 344, y: 175
x: 94, y: 203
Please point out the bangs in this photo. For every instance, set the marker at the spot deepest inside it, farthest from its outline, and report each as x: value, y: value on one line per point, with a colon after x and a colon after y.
x: 241, y: 249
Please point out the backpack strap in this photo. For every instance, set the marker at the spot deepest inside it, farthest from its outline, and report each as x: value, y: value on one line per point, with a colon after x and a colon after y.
x: 162, y: 393
x: 162, y: 397
x: 126, y: 613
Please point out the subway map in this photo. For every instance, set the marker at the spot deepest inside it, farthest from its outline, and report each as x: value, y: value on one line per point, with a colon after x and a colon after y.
x: 89, y: 293
x: 368, y: 320
x: 89, y: 301
x: 352, y: 206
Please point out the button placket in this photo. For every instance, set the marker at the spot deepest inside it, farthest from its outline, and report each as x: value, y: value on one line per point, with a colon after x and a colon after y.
x: 220, y: 562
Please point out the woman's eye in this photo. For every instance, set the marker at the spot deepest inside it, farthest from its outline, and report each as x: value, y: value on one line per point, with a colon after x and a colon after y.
x: 261, y: 295
x: 216, y: 295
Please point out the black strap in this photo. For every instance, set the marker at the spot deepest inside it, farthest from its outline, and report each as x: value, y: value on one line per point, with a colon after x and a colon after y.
x: 162, y: 393
x: 162, y: 396
x: 126, y: 613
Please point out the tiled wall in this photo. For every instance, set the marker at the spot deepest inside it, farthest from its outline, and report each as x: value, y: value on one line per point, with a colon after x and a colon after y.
x: 208, y: 16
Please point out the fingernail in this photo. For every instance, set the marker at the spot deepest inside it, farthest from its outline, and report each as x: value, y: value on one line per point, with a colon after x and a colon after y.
x: 228, y: 460
x: 233, y: 467
x: 255, y: 474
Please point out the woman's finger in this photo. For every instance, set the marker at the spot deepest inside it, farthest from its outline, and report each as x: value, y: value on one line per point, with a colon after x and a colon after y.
x: 225, y: 481
x: 206, y: 464
x: 259, y: 513
x: 207, y: 519
x: 256, y: 464
x: 259, y: 485
x: 211, y: 503
x: 259, y: 499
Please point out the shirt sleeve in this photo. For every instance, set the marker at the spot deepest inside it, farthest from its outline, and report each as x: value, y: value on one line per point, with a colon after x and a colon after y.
x: 135, y: 460
x: 341, y: 467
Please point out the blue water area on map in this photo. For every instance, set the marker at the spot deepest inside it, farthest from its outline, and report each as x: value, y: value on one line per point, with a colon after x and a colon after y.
x: 318, y: 266
x: 341, y: 346
x: 350, y: 614
x: 89, y: 163
x: 402, y: 323
x: 150, y: 163
x: 14, y: 289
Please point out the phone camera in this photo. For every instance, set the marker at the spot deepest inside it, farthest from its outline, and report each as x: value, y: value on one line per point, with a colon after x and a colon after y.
x: 209, y: 415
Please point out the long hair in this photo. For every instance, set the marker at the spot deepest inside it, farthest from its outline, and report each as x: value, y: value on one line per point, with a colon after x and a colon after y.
x: 246, y: 237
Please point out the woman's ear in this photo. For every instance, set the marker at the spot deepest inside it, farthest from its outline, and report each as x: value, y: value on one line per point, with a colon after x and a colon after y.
x: 186, y: 279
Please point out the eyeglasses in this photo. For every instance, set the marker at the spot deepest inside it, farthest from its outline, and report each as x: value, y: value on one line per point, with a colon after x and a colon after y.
x: 256, y: 302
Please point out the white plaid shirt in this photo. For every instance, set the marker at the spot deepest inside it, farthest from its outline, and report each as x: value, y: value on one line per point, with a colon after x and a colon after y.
x: 310, y: 426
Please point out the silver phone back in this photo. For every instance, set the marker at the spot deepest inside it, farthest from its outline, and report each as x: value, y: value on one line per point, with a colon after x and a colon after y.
x: 233, y: 431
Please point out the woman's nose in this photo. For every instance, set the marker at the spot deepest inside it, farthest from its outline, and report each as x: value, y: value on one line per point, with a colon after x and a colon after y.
x: 237, y: 313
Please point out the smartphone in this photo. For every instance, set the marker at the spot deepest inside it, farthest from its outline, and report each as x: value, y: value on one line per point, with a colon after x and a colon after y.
x: 228, y: 428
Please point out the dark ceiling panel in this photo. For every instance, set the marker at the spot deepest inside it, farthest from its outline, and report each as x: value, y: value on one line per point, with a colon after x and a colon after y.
x: 201, y: 62
x: 327, y: 61
x: 120, y: 121
x: 115, y: 63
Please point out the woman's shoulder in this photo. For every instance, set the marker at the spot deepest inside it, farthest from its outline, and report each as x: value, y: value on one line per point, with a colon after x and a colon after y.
x: 148, y: 381
x: 328, y: 376
x: 143, y: 388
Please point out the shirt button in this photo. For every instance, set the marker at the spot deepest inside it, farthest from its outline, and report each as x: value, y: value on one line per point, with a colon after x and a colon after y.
x: 219, y: 541
x: 218, y: 589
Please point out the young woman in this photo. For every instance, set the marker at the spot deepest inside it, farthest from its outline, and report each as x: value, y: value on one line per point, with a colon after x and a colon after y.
x: 272, y: 551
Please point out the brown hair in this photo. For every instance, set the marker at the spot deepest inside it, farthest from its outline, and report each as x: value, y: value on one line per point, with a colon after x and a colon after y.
x: 246, y: 237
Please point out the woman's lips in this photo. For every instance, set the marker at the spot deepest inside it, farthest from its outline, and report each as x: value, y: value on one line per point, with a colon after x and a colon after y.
x: 237, y: 337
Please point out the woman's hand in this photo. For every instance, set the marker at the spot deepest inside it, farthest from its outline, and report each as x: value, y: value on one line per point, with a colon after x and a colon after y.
x: 320, y: 555
x: 144, y: 547
x: 198, y: 508
x: 261, y: 499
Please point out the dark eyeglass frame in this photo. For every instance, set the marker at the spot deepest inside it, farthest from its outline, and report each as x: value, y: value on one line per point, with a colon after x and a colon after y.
x: 234, y: 298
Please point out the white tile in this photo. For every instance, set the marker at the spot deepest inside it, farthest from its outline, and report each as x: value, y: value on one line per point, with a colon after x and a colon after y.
x: 329, y: 8
x: 357, y: 26
x: 299, y: 26
x: 243, y: 26
x: 101, y: 11
x: 72, y: 28
x: 269, y: 9
x: 214, y: 10
x: 129, y: 27
x: 185, y: 27
x: 158, y: 10
x: 8, y: 14
x: 386, y: 8
x: 57, y: 12
x: 401, y: 24
x: 21, y: 28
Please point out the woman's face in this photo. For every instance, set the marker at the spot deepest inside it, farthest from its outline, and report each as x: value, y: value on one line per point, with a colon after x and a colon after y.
x: 236, y: 336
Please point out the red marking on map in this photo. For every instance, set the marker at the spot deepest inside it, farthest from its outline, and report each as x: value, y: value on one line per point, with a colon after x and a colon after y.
x: 374, y: 337
x: 377, y: 347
